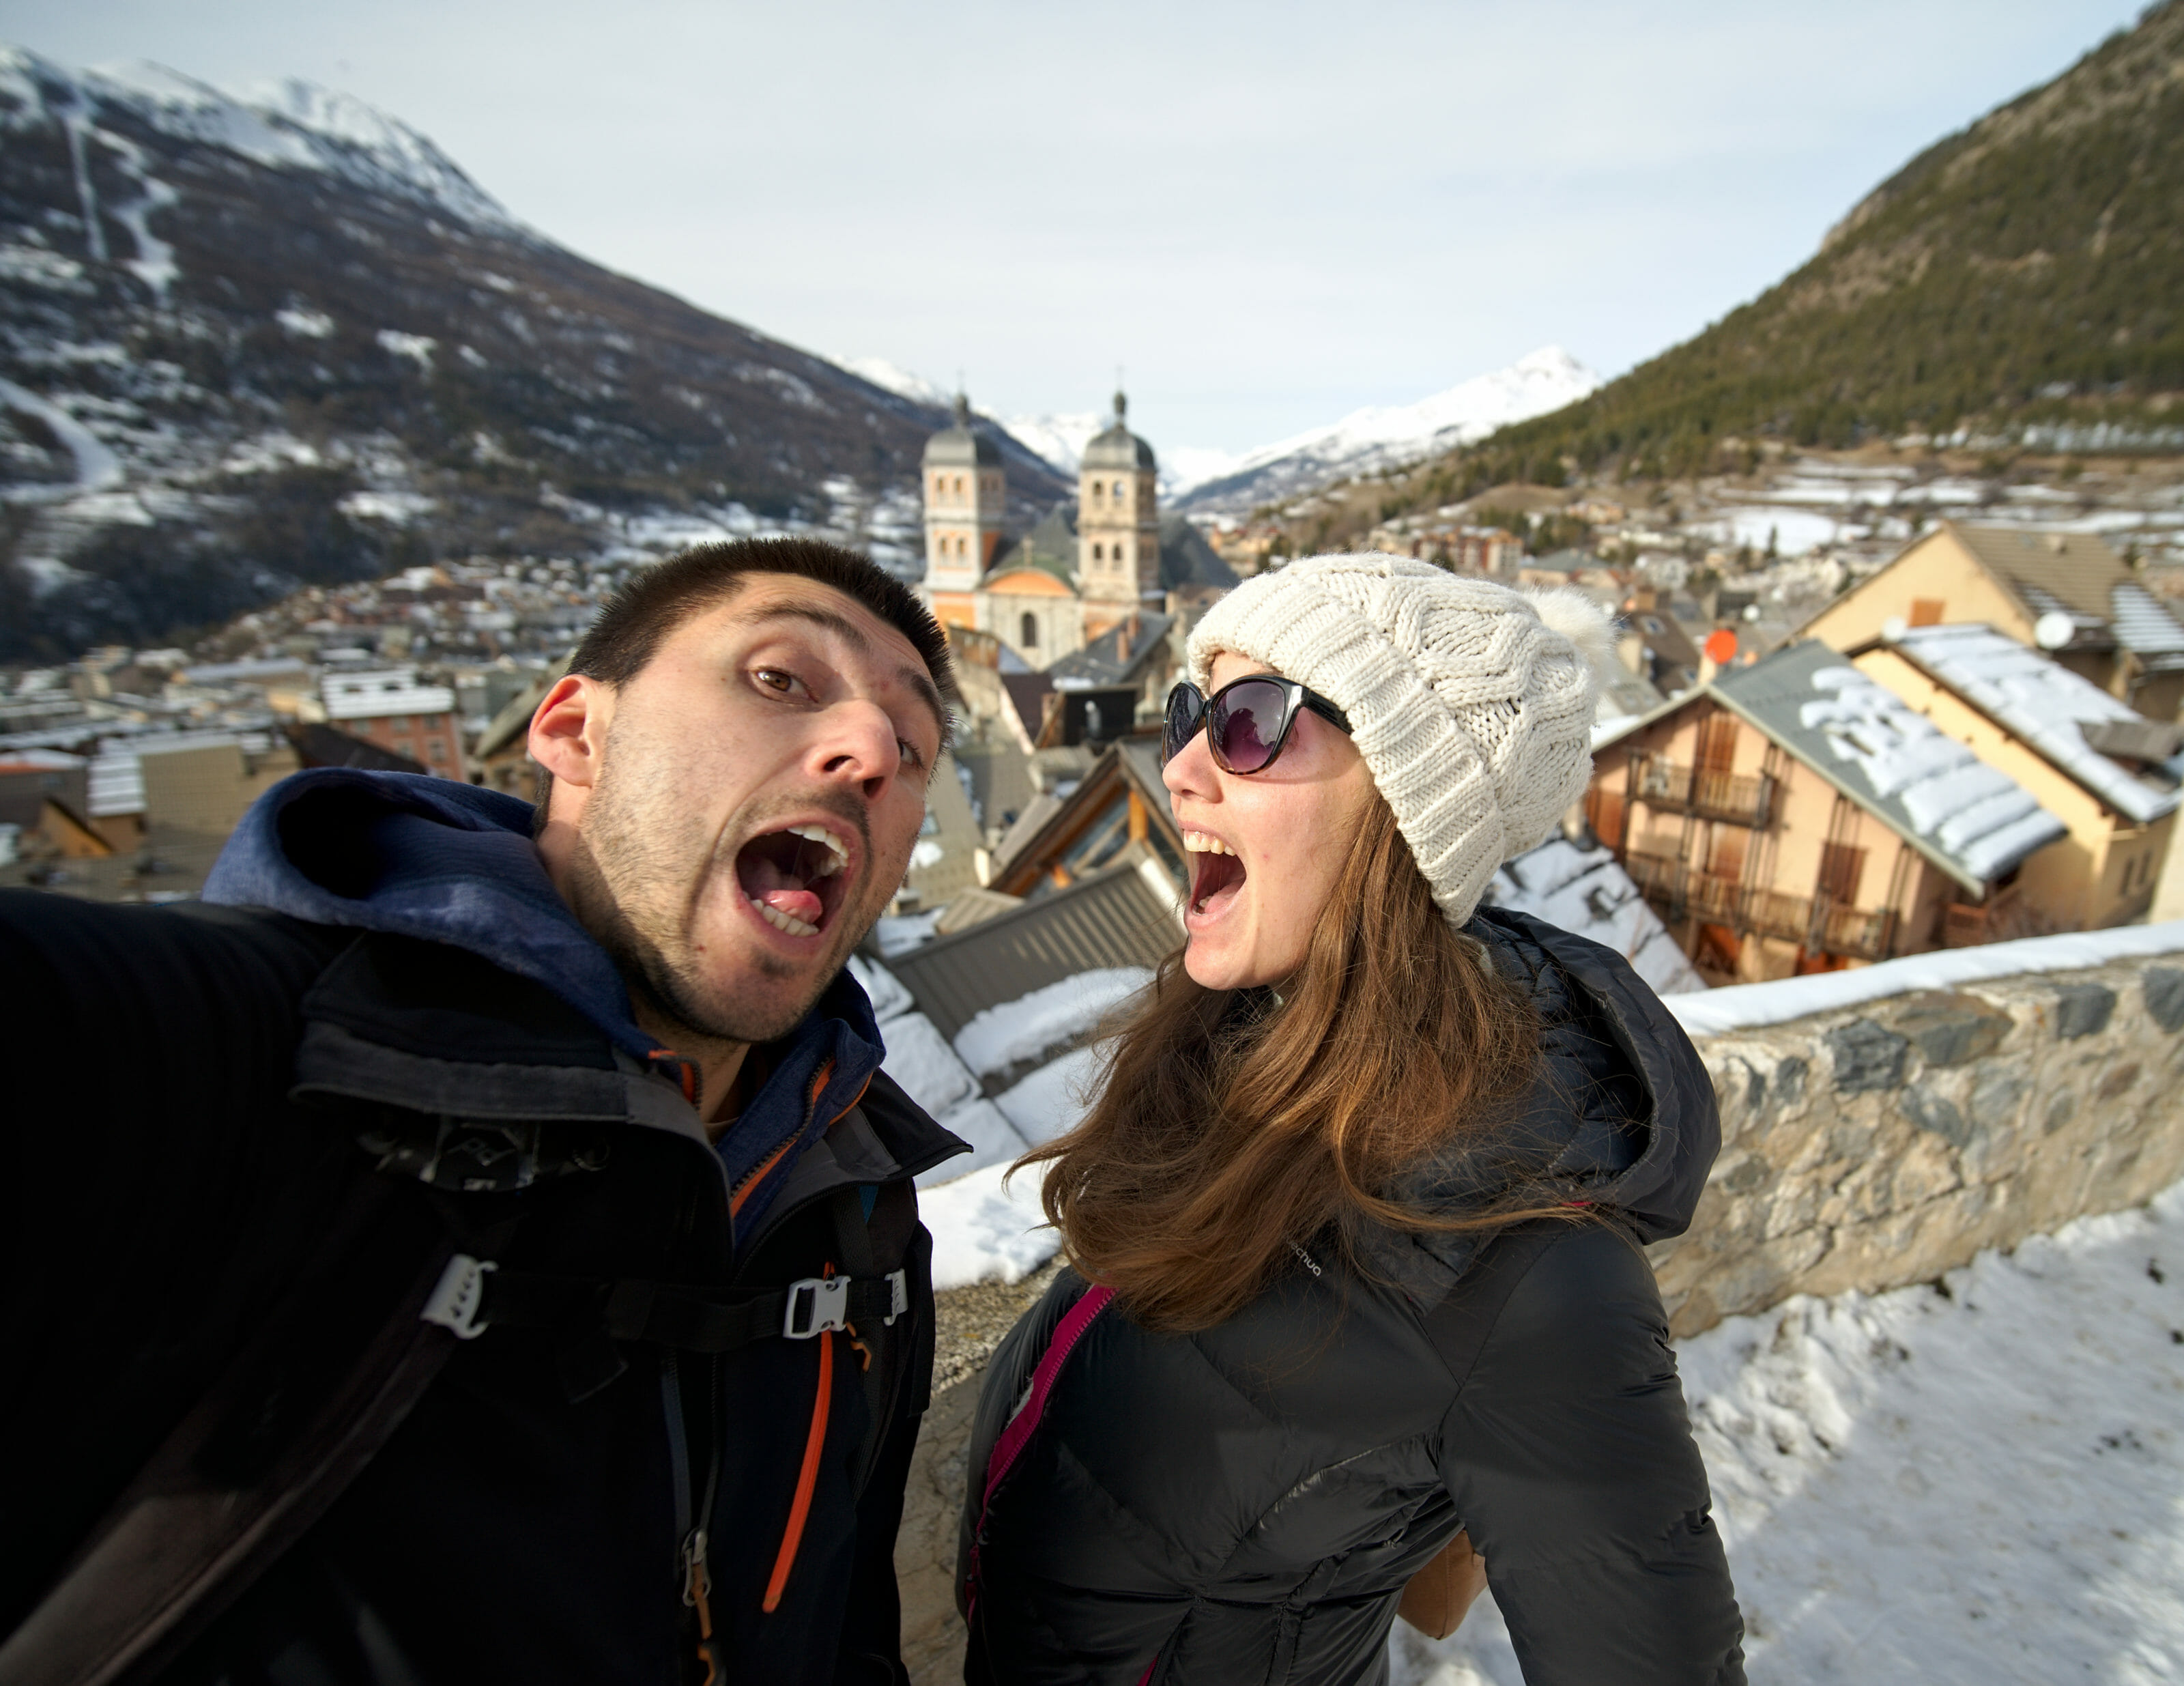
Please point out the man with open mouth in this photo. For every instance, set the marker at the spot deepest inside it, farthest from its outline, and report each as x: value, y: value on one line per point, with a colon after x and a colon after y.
x: 492, y: 1250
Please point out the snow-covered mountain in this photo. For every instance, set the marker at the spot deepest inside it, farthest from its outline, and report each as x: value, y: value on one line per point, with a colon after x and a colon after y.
x: 253, y: 340
x: 1385, y: 435
x: 1218, y: 481
x: 284, y: 125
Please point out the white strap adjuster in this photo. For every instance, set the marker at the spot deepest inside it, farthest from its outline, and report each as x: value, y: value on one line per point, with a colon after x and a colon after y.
x: 456, y: 1298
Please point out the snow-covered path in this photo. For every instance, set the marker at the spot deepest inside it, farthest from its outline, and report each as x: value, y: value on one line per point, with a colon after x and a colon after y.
x: 1980, y: 1485
x: 97, y: 469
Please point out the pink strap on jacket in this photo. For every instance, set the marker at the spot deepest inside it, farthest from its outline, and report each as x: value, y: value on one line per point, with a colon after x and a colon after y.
x: 1021, y: 1426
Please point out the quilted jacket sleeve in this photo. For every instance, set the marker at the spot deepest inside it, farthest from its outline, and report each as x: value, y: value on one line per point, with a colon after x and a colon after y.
x: 1570, y: 1458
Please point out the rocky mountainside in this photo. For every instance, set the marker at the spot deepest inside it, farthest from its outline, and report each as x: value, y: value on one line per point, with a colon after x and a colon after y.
x: 2022, y: 280
x: 251, y: 343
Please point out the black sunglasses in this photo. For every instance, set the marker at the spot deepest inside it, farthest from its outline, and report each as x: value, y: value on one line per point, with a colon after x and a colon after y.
x: 1247, y: 722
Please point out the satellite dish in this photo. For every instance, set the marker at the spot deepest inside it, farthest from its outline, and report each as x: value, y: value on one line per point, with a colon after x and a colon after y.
x: 1893, y: 629
x: 2052, y: 630
x: 1720, y: 647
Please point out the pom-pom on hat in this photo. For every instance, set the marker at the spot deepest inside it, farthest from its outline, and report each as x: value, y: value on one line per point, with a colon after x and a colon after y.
x: 1472, y: 704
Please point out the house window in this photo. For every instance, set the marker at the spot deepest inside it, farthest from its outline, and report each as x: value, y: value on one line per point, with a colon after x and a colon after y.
x: 1099, y: 553
x: 1926, y: 612
x: 1098, y: 491
x: 1029, y: 627
x: 1842, y: 867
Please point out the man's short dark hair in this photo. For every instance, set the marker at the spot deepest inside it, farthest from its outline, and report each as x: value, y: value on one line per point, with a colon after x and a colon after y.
x: 630, y: 628
x: 639, y: 617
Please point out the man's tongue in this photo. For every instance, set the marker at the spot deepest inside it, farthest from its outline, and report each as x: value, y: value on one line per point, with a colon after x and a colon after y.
x: 767, y: 883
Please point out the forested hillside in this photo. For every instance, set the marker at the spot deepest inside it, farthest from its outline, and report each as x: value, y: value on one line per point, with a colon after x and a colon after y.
x: 2029, y: 269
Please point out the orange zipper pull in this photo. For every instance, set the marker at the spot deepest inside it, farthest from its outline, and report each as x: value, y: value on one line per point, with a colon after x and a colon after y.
x: 695, y: 1593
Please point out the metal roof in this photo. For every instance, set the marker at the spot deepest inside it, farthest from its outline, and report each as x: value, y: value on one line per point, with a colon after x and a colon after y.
x: 1114, y: 657
x: 1124, y: 915
x: 1971, y: 820
x: 2040, y: 702
x: 2077, y: 575
x: 1186, y: 559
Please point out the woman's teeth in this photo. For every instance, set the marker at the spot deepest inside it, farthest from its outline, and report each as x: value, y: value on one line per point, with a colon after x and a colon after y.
x: 838, y: 851
x: 1205, y: 843
x: 788, y: 922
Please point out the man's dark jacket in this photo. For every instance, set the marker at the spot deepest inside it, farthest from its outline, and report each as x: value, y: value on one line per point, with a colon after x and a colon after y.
x: 1247, y: 1503
x: 231, y: 1118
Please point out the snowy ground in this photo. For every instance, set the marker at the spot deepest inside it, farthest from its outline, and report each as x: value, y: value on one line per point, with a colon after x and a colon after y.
x: 1981, y: 1481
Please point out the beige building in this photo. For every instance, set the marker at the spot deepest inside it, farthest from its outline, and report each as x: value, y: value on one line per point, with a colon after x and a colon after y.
x: 393, y: 709
x: 1119, y: 540
x: 966, y: 495
x: 2068, y: 742
x: 1794, y: 816
x: 2066, y: 593
x: 1084, y: 570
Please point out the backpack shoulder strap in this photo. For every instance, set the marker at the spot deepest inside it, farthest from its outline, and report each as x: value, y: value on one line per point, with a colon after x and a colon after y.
x: 278, y: 1438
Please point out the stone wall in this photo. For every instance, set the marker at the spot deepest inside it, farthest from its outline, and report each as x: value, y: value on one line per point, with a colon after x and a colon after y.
x: 1884, y: 1144
x: 1869, y: 1147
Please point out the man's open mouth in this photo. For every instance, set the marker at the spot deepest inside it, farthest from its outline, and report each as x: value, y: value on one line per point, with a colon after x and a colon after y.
x: 793, y: 877
x: 1217, y: 873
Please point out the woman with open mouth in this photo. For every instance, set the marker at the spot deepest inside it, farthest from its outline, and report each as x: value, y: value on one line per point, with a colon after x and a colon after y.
x: 1357, y: 1319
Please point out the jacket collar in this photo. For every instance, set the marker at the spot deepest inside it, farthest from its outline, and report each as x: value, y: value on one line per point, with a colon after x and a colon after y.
x: 430, y: 866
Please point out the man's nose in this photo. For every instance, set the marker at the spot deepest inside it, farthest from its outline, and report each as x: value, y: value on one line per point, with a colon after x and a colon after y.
x: 857, y: 745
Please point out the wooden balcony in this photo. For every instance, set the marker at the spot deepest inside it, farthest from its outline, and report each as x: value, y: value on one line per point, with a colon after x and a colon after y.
x: 1740, y: 798
x: 1817, y: 925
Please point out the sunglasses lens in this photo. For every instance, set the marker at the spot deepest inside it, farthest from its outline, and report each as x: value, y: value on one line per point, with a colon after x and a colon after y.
x: 1185, y: 705
x: 1247, y: 725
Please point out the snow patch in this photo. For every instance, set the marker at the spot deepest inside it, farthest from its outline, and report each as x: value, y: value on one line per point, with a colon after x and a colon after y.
x: 1053, y: 1100
x: 984, y: 1231
x: 418, y: 348
x: 1024, y: 1028
x: 1744, y: 1007
x: 304, y: 322
x: 1977, y: 1483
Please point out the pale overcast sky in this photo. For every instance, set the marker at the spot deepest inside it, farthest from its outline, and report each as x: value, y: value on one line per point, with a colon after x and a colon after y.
x: 1270, y: 213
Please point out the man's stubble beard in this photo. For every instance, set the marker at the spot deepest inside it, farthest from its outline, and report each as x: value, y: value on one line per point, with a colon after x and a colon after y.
x: 638, y: 876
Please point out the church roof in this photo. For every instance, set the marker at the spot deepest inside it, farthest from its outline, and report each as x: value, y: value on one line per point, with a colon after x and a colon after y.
x: 961, y: 446
x: 1118, y: 447
x: 1187, y: 559
x: 1051, y: 545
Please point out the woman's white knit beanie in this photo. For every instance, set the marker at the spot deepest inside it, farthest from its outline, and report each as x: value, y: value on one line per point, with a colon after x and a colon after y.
x: 1473, y: 704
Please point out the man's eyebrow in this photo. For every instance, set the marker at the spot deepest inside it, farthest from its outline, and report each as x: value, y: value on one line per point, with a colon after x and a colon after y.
x: 847, y: 629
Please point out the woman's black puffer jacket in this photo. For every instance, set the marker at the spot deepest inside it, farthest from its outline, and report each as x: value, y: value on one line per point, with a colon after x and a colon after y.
x: 1246, y: 1503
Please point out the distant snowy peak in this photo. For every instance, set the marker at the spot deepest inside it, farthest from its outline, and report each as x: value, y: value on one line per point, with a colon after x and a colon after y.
x: 286, y: 125
x: 1061, y: 438
x: 895, y: 378
x: 1385, y: 435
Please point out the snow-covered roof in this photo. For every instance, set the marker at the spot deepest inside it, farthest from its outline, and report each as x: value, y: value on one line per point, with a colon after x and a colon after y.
x: 370, y: 696
x: 1587, y: 892
x: 2077, y: 575
x: 115, y: 784
x: 2040, y: 702
x: 1972, y: 820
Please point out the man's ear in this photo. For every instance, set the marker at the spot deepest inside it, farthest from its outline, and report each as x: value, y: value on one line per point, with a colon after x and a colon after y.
x: 568, y: 731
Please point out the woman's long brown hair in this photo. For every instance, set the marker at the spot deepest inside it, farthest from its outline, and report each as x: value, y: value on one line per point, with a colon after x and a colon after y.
x: 1228, y: 1132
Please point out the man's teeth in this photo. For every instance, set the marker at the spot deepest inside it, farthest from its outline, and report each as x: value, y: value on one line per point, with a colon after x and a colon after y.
x: 838, y: 851
x: 1205, y: 843
x: 781, y: 921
